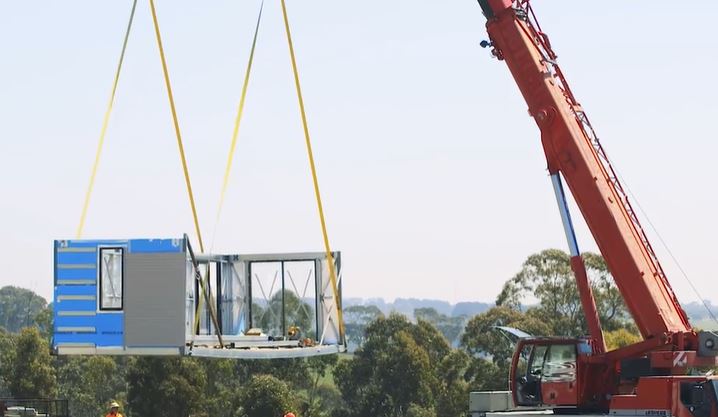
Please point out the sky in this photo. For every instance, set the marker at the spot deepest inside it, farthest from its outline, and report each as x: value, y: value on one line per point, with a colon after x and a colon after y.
x: 432, y: 174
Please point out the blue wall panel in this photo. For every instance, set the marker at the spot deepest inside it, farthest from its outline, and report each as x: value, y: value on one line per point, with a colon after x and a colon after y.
x: 61, y: 321
x: 74, y: 290
x: 76, y: 274
x: 75, y: 305
x: 60, y: 338
x: 156, y: 245
x: 90, y: 243
x: 106, y: 341
x: 71, y: 258
x: 110, y: 329
x: 109, y: 326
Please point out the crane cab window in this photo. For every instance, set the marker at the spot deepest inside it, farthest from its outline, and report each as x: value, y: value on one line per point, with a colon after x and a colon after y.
x: 527, y: 375
x: 523, y: 361
x: 111, y: 278
x: 540, y: 364
x: 560, y: 364
x: 537, y: 360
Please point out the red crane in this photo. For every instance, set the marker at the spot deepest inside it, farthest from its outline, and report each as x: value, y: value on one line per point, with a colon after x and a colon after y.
x: 649, y: 377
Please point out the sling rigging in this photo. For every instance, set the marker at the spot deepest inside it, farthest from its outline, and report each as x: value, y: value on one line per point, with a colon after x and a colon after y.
x: 202, y: 279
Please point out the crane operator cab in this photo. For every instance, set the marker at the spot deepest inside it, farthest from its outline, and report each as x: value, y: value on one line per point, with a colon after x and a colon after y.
x: 544, y: 370
x: 544, y: 374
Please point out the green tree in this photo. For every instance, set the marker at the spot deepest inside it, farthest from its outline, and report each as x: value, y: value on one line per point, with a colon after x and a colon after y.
x: 19, y: 308
x: 402, y: 368
x: 43, y: 321
x: 612, y: 309
x: 165, y: 387
x: 620, y: 338
x: 454, y: 387
x: 319, y: 401
x: 223, y: 387
x: 294, y: 372
x: 228, y: 379
x: 481, y: 338
x: 331, y: 403
x: 30, y: 368
x: 491, y: 349
x: 265, y: 396
x: 7, y: 352
x: 419, y: 411
x: 485, y: 375
x: 258, y: 312
x: 356, y: 319
x: 450, y: 327
x: 296, y: 313
x: 90, y: 383
x: 548, y: 277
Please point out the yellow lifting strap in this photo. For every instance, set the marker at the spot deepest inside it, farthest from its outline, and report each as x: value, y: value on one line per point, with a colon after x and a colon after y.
x: 105, y: 122
x: 233, y: 146
x: 237, y: 121
x: 330, y: 257
x: 188, y: 183
x: 180, y: 145
x: 206, y: 291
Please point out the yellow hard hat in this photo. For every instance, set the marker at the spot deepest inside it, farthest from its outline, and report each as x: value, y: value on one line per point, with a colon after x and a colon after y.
x: 114, y: 404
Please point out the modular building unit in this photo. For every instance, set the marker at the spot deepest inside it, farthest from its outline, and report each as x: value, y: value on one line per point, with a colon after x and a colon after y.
x: 143, y: 297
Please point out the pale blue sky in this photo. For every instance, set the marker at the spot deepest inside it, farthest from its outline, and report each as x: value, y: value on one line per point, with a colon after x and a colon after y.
x: 433, y: 176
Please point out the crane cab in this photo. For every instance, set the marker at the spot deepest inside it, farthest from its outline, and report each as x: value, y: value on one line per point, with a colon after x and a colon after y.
x: 544, y: 371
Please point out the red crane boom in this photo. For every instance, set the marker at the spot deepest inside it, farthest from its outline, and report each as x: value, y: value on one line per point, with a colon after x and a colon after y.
x: 573, y: 149
x: 638, y: 377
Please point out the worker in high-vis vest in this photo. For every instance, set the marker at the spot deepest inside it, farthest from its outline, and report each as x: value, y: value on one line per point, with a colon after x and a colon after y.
x: 114, y: 410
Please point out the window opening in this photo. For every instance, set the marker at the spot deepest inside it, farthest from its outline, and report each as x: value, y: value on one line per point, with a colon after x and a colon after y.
x: 537, y: 363
x: 111, y: 278
x: 560, y: 364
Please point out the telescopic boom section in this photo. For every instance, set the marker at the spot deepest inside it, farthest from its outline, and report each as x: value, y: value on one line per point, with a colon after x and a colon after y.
x: 573, y: 150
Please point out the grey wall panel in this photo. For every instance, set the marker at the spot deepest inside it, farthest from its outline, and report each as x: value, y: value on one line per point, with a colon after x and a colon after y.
x: 155, y: 299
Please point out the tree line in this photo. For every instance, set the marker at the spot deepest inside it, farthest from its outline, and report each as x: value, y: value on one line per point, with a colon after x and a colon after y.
x: 400, y: 368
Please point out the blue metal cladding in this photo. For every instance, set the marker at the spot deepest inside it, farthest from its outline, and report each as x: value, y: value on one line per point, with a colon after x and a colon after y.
x: 63, y: 290
x: 78, y: 319
x: 76, y: 273
x: 77, y: 258
x: 156, y: 246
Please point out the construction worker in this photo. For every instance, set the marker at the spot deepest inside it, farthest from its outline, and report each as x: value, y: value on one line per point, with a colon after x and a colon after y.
x: 114, y: 410
x: 289, y: 414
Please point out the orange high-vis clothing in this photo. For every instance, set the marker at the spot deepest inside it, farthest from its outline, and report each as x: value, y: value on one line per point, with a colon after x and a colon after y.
x: 289, y: 415
x: 117, y: 414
